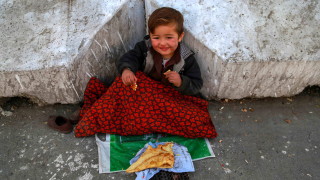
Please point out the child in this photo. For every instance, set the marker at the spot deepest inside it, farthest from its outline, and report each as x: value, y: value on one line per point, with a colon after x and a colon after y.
x: 162, y: 51
x: 163, y: 101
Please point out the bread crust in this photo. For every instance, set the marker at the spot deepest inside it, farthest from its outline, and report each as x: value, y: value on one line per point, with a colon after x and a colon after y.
x: 159, y: 157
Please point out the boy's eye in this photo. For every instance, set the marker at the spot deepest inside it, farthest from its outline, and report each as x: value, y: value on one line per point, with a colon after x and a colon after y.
x: 155, y: 37
x: 169, y: 37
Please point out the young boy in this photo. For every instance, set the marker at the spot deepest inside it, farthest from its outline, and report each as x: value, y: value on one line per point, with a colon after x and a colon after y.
x: 162, y: 56
x: 154, y: 107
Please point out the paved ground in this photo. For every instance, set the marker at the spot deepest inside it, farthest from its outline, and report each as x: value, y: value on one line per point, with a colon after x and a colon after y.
x: 271, y: 138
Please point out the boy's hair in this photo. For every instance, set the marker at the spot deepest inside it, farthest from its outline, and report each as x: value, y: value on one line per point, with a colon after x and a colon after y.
x: 165, y: 16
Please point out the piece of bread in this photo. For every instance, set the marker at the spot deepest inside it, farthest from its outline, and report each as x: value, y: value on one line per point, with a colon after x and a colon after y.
x: 134, y: 86
x: 160, y: 157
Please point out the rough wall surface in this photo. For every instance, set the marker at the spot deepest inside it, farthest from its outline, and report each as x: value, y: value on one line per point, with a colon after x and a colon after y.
x: 49, y: 50
x: 252, y: 48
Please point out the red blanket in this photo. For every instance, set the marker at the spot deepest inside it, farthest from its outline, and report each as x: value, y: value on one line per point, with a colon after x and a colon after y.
x: 152, y: 108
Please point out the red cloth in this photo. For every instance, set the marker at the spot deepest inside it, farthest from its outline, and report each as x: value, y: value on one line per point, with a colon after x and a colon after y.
x: 152, y: 108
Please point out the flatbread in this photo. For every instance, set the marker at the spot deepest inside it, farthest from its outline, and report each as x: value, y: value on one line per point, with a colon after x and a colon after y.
x: 160, y: 157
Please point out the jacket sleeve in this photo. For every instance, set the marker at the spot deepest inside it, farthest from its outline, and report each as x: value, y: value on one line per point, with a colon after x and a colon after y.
x: 132, y: 59
x: 191, y: 78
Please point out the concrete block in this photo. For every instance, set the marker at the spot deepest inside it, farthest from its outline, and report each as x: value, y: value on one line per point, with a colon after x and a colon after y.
x: 50, y: 49
x: 252, y: 48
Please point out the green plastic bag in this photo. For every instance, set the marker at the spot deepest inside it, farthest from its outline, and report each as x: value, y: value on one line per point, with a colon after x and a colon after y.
x: 124, y: 148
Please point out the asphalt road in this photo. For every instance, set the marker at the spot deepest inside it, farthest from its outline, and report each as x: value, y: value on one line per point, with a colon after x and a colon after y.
x: 269, y: 138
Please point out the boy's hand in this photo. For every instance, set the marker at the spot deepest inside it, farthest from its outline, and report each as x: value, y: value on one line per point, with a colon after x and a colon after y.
x: 128, y: 77
x: 174, y: 78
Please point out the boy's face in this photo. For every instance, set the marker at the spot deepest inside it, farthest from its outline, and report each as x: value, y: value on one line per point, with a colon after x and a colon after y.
x: 165, y: 40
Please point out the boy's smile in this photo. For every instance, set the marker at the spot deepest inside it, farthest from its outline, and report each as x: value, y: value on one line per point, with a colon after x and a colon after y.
x: 165, y: 40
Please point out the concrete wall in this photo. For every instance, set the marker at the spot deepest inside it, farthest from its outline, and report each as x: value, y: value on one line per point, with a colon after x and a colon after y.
x: 252, y: 48
x: 49, y: 50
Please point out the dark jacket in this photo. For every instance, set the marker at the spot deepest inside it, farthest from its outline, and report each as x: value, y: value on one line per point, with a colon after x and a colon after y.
x: 140, y: 59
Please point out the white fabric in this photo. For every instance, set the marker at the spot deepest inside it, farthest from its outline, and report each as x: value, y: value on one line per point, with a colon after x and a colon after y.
x: 104, y: 154
x: 164, y: 61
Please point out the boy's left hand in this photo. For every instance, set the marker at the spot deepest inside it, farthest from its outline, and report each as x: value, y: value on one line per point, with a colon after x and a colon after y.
x: 174, y: 78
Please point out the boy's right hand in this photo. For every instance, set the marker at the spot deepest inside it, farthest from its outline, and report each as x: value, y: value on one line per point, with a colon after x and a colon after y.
x: 128, y: 77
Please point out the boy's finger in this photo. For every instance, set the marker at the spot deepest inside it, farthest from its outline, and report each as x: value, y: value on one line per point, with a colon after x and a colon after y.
x: 127, y: 83
x: 166, y: 74
x: 124, y: 80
